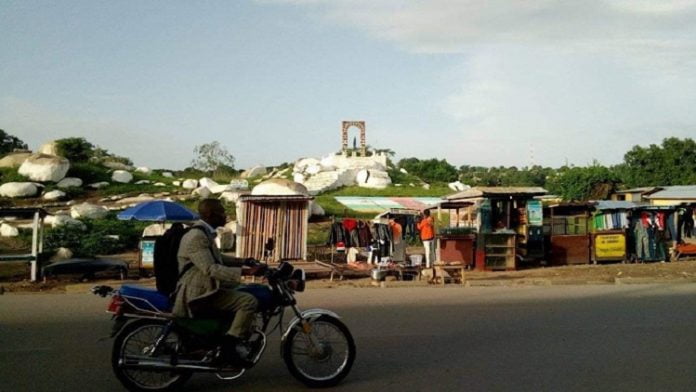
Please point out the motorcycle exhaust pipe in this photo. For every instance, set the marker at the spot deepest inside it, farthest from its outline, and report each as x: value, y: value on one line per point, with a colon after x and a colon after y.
x: 151, y: 364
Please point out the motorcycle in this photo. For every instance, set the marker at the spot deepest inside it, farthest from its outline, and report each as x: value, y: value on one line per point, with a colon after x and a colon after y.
x: 155, y: 351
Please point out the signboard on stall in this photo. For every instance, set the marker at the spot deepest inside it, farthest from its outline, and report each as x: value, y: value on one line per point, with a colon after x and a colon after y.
x: 535, y: 213
x: 239, y: 184
x: 610, y: 246
x: 147, y: 254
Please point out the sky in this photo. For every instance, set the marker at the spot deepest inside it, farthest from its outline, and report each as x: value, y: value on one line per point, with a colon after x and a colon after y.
x: 476, y: 82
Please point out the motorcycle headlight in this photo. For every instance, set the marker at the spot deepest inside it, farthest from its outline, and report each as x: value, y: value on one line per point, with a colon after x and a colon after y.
x: 297, y: 280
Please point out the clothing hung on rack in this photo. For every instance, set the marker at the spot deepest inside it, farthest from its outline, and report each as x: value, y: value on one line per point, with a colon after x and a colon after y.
x: 651, y: 230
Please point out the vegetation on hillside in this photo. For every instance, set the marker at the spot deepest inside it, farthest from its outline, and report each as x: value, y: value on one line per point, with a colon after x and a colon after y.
x: 9, y: 143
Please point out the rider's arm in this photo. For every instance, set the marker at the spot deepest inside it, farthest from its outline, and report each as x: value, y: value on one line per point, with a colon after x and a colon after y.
x: 232, y: 261
x: 199, y: 252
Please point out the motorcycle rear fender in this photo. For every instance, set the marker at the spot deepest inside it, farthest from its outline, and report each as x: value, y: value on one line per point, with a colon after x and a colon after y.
x: 119, y: 323
x: 309, y: 314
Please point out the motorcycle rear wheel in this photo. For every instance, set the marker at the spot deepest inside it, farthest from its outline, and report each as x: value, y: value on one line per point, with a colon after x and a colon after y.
x: 326, y: 363
x: 135, y: 338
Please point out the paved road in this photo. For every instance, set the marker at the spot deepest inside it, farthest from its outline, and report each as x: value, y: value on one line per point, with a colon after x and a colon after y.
x: 612, y: 338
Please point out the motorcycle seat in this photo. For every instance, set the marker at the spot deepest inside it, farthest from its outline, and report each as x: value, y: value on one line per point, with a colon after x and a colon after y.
x: 140, y: 296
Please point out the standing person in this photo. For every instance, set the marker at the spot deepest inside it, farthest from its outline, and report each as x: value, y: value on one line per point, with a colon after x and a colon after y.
x: 399, y: 245
x: 207, y: 286
x: 426, y: 227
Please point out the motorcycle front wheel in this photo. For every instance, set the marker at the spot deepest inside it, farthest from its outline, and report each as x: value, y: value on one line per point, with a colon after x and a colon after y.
x: 133, y: 343
x: 321, y: 357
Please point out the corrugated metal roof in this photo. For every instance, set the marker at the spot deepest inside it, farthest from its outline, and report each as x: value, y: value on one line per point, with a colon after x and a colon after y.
x: 497, y: 191
x: 644, y: 189
x: 614, y: 204
x: 675, y: 192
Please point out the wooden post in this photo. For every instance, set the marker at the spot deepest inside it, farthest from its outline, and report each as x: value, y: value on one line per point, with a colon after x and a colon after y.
x: 35, y: 246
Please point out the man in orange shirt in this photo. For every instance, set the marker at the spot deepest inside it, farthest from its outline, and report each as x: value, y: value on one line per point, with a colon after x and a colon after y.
x: 426, y: 228
x: 399, y: 246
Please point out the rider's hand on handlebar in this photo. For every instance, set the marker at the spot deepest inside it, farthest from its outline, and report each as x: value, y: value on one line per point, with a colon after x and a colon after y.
x: 257, y: 270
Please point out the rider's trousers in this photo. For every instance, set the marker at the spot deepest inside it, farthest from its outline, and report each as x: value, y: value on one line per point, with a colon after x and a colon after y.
x: 244, y: 306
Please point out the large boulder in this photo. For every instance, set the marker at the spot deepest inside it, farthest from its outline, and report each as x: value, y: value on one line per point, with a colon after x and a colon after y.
x: 42, y: 167
x: 121, y: 176
x: 88, y: 211
x: 298, y: 178
x: 18, y: 189
x: 377, y: 179
x: 156, y: 230
x: 50, y: 148
x: 279, y: 187
x: 14, y: 159
x: 54, y: 195
x: 207, y: 182
x: 189, y: 184
x: 458, y: 186
x: 8, y: 231
x: 69, y: 182
x: 303, y: 163
x: 254, y: 172
x: 313, y: 169
x: 144, y: 170
x: 167, y: 174
x: 62, y: 220
x: 202, y: 192
x: 142, y: 182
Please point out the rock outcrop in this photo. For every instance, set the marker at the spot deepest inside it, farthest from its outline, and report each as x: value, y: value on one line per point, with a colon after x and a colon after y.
x: 88, y: 211
x: 254, y: 172
x: 50, y: 148
x: 279, y: 187
x: 14, y: 159
x: 189, y: 184
x: 376, y: 179
x: 8, y: 231
x: 43, y: 168
x: 54, y: 195
x: 69, y: 182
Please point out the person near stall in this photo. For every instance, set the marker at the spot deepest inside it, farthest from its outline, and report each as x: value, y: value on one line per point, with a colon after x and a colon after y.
x: 426, y: 228
x: 399, y: 245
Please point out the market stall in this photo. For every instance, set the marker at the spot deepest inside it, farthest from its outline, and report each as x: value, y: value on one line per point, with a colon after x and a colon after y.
x: 456, y: 243
x: 610, y: 221
x: 569, y: 233
x: 272, y: 227
x: 685, y: 233
x: 653, y: 231
x: 508, y: 222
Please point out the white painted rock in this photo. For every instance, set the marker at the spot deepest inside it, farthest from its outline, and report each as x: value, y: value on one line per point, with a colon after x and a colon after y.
x: 316, y: 209
x: 121, y: 176
x: 303, y: 163
x: 281, y: 173
x: 50, y: 148
x: 190, y: 184
x: 117, y: 165
x: 207, y: 182
x: 160, y: 184
x: 279, y: 187
x: 313, y: 169
x: 98, y: 185
x: 41, y: 167
x: 69, y: 182
x: 8, y: 231
x: 14, y: 159
x: 218, y: 189
x: 62, y: 254
x: 143, y: 169
x: 426, y: 186
x: 88, y: 211
x: 54, y: 195
x: 403, y: 170
x: 373, y: 179
x: 167, y: 174
x: 62, y: 220
x: 254, y: 172
x: 142, y: 182
x: 202, y: 192
x: 457, y: 186
x: 176, y: 183
x: 298, y: 178
x: 232, y: 197
x: 18, y: 189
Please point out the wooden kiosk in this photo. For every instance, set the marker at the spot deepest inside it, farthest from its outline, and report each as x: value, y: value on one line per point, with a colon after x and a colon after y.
x: 457, y: 241
x: 569, y: 237
x: 508, y: 222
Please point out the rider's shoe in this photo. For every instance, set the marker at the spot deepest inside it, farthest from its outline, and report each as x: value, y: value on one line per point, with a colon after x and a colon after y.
x: 236, y: 352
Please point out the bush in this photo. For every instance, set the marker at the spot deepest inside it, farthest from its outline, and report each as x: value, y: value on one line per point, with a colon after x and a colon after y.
x: 8, y: 174
x: 431, y: 170
x: 89, y: 172
x: 96, y: 240
x: 9, y: 143
x: 75, y: 149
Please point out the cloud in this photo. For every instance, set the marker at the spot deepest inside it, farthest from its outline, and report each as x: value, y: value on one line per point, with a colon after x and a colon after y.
x: 568, y: 79
x: 37, y: 124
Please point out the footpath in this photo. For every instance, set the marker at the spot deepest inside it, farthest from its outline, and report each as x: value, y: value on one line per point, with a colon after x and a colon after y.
x: 656, y: 273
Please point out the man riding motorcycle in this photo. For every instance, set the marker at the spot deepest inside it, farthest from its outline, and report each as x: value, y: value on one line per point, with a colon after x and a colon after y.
x: 208, y: 279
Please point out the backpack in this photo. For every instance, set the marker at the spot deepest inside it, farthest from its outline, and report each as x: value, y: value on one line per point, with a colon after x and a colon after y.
x: 166, y: 262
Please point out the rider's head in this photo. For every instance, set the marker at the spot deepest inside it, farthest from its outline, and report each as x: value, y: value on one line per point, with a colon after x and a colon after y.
x: 212, y: 212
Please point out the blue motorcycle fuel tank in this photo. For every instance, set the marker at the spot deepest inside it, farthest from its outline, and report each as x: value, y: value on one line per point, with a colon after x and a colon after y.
x: 262, y: 293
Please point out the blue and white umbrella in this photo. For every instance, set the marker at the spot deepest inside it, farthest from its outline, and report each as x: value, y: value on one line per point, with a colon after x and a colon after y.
x: 158, y: 211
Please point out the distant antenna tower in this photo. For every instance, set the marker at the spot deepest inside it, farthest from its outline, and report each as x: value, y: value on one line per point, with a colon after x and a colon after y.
x: 531, y: 156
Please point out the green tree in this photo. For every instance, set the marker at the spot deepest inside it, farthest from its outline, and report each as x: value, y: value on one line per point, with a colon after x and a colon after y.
x: 430, y: 170
x: 595, y: 182
x: 9, y: 143
x: 75, y: 149
x: 672, y: 163
x: 212, y: 157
